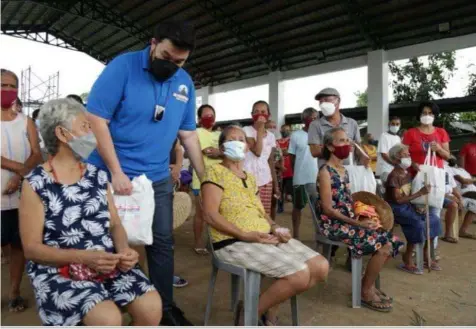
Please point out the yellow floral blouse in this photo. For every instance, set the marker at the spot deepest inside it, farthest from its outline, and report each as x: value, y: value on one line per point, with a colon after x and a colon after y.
x: 239, y: 204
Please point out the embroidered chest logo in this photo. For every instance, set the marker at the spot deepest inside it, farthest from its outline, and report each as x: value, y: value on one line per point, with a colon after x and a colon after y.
x: 182, y: 94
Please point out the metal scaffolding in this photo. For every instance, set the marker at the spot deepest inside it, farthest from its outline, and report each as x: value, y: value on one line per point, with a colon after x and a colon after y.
x: 35, y: 91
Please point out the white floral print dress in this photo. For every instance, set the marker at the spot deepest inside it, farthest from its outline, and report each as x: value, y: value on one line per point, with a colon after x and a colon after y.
x: 77, y: 217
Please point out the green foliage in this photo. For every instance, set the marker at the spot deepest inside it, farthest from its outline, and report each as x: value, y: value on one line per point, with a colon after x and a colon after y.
x: 84, y: 96
x: 468, y: 116
x: 419, y: 80
x: 362, y: 98
x: 471, y: 89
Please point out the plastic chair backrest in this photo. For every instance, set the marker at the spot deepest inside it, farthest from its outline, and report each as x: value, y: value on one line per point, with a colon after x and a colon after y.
x: 315, y: 217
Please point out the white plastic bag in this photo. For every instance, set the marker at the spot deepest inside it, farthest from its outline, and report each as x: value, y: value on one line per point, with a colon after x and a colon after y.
x: 137, y: 211
x: 360, y: 178
x: 436, y: 179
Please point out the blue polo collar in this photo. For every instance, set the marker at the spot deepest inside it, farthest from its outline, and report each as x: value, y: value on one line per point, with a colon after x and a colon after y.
x: 146, y: 64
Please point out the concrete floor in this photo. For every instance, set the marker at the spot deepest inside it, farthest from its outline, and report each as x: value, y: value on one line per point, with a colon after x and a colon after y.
x: 445, y: 298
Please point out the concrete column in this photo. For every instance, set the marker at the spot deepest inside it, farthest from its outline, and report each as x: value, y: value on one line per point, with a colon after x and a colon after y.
x: 276, y: 97
x: 204, y: 93
x: 377, y: 108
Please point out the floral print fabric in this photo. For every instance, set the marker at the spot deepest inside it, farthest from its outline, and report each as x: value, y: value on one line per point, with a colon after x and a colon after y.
x: 361, y: 241
x: 77, y: 217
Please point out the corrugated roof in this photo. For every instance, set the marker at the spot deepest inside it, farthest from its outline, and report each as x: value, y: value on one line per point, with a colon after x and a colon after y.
x: 242, y: 39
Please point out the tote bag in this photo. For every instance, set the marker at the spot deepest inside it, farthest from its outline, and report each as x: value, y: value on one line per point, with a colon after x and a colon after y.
x: 360, y: 178
x: 436, y: 179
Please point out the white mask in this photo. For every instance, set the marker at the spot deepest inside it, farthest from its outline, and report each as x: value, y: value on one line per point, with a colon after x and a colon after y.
x: 327, y: 108
x: 427, y: 119
x: 234, y: 150
x: 394, y: 129
x: 405, y: 163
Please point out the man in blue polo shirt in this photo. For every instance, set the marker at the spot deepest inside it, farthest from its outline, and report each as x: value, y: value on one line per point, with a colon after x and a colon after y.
x: 137, y: 107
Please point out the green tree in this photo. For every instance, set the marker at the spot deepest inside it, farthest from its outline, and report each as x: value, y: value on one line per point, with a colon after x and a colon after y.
x: 362, y: 98
x: 85, y: 96
x: 470, y: 91
x: 422, y: 80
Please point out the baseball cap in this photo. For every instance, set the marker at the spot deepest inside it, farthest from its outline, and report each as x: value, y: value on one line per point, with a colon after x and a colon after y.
x: 327, y: 92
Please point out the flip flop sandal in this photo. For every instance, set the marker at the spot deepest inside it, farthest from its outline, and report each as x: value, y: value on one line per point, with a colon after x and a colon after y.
x: 267, y: 322
x: 383, y: 296
x: 408, y: 269
x: 434, y: 266
x: 238, y: 313
x: 449, y: 239
x: 201, y: 251
x: 16, y: 304
x: 376, y: 306
x: 467, y: 236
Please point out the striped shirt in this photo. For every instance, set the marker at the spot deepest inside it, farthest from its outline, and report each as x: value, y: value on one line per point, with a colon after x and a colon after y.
x: 16, y: 147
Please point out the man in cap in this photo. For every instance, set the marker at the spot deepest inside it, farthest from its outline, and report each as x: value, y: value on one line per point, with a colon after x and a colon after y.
x: 329, y: 104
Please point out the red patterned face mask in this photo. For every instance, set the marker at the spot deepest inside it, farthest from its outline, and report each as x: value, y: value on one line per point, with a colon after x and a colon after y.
x: 343, y: 151
x: 207, y: 122
x: 307, y: 122
x: 9, y: 97
x: 259, y: 115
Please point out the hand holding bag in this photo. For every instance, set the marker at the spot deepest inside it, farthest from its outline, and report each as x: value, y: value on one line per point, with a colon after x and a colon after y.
x: 360, y: 178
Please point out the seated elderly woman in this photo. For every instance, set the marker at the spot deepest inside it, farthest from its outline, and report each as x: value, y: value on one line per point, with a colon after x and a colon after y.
x: 243, y: 235
x: 80, y: 265
x: 338, y: 221
x: 411, y: 219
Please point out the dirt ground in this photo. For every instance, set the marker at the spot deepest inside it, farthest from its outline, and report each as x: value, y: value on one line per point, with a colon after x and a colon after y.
x: 446, y: 298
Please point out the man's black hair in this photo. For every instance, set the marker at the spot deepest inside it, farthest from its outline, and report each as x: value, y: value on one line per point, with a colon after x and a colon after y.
x: 76, y: 98
x: 434, y: 109
x: 181, y: 34
x: 395, y: 118
x: 35, y: 114
x: 261, y: 102
x: 202, y: 107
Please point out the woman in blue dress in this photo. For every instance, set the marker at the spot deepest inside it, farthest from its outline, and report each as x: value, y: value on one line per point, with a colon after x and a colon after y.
x: 80, y: 264
x: 412, y: 219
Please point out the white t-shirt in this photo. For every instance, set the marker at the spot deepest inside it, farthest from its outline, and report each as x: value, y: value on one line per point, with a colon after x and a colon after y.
x: 453, y: 171
x: 385, y: 143
x: 305, y: 165
x: 259, y: 166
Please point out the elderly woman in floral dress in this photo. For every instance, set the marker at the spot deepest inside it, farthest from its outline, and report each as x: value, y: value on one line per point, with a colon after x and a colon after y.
x: 80, y: 264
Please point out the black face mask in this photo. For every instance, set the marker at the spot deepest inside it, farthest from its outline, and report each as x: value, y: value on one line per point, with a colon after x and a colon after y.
x: 452, y: 162
x: 162, y: 69
x: 284, y: 134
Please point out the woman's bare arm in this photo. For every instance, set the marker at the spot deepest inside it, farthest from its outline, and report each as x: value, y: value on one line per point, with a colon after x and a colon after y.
x: 32, y: 220
x: 325, y: 191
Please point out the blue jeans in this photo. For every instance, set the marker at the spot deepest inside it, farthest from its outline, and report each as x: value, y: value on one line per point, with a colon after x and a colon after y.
x: 160, y: 255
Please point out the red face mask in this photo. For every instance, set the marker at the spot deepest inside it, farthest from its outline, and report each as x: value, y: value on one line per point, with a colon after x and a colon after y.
x: 9, y: 97
x: 257, y: 116
x: 342, y: 152
x: 307, y: 122
x: 207, y: 122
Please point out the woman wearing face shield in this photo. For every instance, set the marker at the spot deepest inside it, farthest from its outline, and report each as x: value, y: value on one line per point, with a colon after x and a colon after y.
x: 398, y: 194
x: 79, y: 261
x: 244, y: 235
x: 338, y: 221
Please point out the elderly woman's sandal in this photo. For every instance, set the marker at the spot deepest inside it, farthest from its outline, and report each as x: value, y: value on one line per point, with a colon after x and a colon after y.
x: 466, y: 235
x: 16, y: 304
x: 373, y: 305
x: 383, y: 296
x: 410, y: 269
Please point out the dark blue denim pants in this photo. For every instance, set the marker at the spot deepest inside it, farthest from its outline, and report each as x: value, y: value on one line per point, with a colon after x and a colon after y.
x: 160, y: 255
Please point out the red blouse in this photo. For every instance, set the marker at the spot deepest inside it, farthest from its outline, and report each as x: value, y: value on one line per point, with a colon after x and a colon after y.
x: 419, y: 142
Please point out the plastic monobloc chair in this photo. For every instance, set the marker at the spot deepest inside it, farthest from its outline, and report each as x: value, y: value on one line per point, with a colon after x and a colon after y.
x: 327, y: 245
x: 252, y: 282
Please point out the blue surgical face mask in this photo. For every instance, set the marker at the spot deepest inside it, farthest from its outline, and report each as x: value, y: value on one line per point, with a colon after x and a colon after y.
x: 234, y: 150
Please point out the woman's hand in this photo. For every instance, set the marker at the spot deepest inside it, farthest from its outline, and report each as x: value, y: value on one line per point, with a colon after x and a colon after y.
x: 129, y: 259
x: 415, y: 166
x: 425, y: 190
x: 212, y: 152
x: 13, y: 185
x: 101, y: 261
x: 260, y: 237
x: 281, y: 233
x: 435, y: 147
x: 277, y: 192
x: 175, y: 172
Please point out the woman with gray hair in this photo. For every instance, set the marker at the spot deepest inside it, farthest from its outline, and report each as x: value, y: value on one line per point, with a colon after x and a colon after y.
x: 79, y: 261
x: 412, y: 220
x: 338, y: 220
